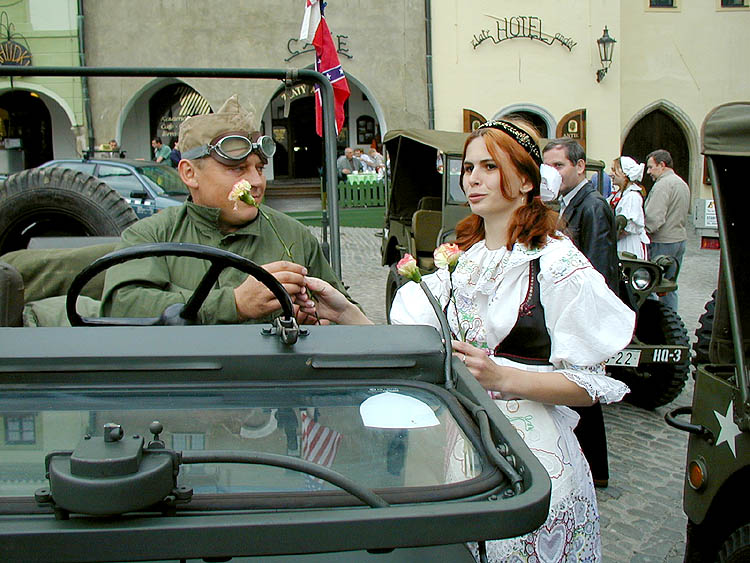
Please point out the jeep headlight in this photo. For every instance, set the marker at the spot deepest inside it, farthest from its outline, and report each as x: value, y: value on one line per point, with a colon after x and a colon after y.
x: 641, y: 279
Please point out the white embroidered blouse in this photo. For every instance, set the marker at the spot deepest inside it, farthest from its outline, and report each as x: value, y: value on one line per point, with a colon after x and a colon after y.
x: 586, y: 322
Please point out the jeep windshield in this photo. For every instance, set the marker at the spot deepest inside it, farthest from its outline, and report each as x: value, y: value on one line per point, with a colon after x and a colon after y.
x: 165, y: 180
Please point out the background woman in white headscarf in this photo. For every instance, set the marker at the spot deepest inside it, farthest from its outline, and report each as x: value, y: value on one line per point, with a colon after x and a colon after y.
x: 627, y: 203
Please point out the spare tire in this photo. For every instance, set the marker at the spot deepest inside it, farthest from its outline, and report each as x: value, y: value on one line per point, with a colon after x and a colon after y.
x: 58, y: 202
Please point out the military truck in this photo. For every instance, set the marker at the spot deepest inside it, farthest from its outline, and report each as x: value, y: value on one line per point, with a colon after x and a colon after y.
x: 158, y: 439
x: 717, y: 469
x: 425, y: 201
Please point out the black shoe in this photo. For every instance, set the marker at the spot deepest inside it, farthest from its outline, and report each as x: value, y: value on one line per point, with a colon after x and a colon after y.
x: 601, y: 483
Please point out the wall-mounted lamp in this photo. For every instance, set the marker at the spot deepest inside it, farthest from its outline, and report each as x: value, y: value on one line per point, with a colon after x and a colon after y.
x: 606, y: 45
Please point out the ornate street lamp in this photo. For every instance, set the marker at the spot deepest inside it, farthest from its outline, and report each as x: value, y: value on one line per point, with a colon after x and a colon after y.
x: 606, y: 45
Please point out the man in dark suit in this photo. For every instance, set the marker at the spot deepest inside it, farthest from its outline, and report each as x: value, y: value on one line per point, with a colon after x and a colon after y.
x: 587, y: 219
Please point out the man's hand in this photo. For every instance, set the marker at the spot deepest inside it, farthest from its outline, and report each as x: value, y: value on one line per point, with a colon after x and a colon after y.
x: 254, y: 300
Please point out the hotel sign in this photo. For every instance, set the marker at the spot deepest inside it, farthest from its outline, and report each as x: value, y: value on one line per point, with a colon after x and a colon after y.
x: 520, y: 27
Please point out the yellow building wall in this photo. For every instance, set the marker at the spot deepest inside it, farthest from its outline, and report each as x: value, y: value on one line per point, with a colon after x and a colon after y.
x: 689, y: 59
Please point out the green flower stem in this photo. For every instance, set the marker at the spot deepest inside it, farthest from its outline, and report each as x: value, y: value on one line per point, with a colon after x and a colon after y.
x: 452, y: 298
x: 247, y: 198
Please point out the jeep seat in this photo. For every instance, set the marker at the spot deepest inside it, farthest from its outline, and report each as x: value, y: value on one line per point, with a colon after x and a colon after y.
x: 425, y: 225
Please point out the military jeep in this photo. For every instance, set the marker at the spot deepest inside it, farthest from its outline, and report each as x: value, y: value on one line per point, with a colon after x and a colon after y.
x: 717, y: 472
x: 158, y: 439
x: 425, y: 201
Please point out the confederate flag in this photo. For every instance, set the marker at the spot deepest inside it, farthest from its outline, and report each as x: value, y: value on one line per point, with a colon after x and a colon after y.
x: 315, y: 30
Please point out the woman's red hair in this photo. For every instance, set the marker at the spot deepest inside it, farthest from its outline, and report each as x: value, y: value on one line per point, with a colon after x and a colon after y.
x: 531, y: 223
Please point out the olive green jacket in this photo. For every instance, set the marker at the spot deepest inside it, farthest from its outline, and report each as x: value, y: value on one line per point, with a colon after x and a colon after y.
x: 144, y: 288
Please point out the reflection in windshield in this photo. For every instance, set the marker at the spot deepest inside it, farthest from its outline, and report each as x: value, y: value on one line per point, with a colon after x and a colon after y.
x: 165, y: 180
x: 455, y: 192
x: 318, y: 424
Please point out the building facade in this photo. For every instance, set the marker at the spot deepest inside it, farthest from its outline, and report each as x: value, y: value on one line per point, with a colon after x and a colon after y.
x: 672, y: 62
x: 410, y: 64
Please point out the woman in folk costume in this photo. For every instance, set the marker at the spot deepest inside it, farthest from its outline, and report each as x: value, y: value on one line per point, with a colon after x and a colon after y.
x: 536, y: 323
x: 627, y: 204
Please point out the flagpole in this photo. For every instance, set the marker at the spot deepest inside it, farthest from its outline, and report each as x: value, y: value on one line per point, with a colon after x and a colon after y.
x: 331, y: 173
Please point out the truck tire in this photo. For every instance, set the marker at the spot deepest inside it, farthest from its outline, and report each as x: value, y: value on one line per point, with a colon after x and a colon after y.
x: 655, y: 385
x: 736, y: 548
x: 703, y: 333
x: 58, y: 202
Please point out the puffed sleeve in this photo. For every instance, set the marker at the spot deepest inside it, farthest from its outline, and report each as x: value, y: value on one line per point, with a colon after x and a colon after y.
x: 631, y: 207
x: 587, y: 323
x: 411, y: 306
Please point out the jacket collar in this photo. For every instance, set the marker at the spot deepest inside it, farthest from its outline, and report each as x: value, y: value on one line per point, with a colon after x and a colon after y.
x: 206, y: 220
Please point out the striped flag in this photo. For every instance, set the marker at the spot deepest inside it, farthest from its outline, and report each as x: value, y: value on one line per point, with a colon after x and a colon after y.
x: 315, y: 30
x: 319, y: 445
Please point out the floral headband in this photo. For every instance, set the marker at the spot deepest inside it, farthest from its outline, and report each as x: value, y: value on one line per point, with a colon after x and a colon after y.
x: 518, y: 134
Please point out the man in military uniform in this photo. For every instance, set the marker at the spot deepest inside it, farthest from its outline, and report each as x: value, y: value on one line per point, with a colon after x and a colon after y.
x: 218, y: 150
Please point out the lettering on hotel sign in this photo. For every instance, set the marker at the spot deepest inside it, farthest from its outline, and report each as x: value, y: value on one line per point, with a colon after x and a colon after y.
x: 520, y: 27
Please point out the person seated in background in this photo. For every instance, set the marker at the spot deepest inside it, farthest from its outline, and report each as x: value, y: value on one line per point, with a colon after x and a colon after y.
x: 347, y: 163
x: 219, y: 150
x: 627, y: 203
x: 368, y: 165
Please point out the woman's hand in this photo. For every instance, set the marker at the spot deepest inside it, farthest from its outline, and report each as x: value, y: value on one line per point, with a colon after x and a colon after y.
x: 329, y: 304
x: 487, y: 373
x: 552, y: 388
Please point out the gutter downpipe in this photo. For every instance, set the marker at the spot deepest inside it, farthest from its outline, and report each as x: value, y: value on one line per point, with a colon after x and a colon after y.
x: 428, y: 57
x: 85, y: 81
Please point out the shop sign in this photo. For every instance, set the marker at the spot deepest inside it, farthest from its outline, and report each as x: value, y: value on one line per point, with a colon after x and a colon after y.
x: 293, y: 46
x: 298, y: 91
x: 573, y: 126
x: 520, y: 27
x: 12, y: 53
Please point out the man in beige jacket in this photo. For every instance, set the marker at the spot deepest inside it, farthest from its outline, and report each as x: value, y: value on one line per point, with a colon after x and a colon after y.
x: 666, y: 210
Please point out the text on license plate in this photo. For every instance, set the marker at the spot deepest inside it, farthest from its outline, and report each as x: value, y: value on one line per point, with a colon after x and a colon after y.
x: 627, y: 358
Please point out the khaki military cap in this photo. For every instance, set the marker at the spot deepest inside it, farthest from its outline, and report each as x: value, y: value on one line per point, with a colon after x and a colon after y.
x: 201, y: 129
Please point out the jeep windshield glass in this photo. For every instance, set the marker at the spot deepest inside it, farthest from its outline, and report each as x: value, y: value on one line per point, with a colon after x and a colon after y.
x: 165, y: 180
x: 455, y: 193
x: 335, y: 425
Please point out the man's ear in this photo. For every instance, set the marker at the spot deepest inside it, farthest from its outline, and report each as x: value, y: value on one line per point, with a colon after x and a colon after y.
x: 188, y: 174
x: 581, y: 166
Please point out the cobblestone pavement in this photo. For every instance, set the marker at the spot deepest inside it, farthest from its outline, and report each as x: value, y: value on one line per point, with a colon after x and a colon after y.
x: 641, y: 511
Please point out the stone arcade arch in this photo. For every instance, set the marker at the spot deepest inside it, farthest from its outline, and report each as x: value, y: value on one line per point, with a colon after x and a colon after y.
x: 663, y: 125
x: 157, y: 109
x: 43, y: 121
x: 543, y: 120
x: 299, y: 149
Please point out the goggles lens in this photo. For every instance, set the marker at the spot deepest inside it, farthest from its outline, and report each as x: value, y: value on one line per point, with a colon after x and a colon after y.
x: 237, y: 147
x: 233, y: 148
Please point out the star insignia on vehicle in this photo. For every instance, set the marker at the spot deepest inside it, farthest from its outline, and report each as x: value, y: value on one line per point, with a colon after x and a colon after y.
x: 728, y: 429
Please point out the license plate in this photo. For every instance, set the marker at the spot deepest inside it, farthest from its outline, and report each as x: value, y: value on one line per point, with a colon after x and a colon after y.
x: 627, y: 358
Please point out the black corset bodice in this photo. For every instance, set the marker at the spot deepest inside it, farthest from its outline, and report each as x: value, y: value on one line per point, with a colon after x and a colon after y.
x: 528, y: 341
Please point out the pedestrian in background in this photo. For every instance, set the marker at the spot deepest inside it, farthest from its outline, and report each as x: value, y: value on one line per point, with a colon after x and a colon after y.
x: 590, y: 223
x: 161, y: 151
x: 627, y: 204
x: 666, y: 212
x: 175, y: 155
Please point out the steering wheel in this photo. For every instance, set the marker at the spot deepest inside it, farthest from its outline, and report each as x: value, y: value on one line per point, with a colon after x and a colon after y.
x: 178, y: 313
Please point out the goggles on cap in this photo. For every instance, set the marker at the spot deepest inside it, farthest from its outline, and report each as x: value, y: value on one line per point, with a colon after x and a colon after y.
x: 231, y: 148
